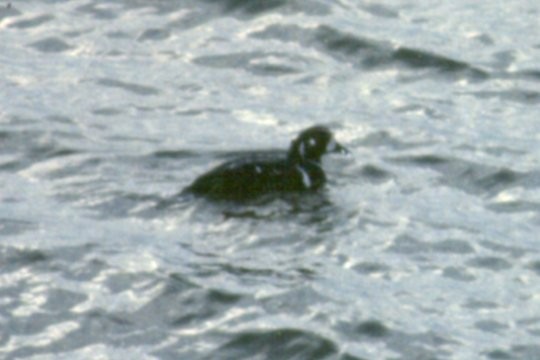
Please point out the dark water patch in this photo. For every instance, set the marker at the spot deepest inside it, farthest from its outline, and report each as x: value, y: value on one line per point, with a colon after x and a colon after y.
x: 499, y: 355
x: 249, y: 9
x: 182, y: 303
x: 528, y: 97
x: 153, y: 109
x: 474, y: 178
x: 381, y: 10
x: 421, y: 59
x: 89, y: 329
x: 367, y: 331
x: 76, y: 33
x: 405, y: 244
x: 499, y: 150
x: 278, y: 344
x: 222, y: 297
x: 490, y: 263
x: 367, y: 53
x: 338, y: 42
x: 246, y: 272
x: 504, y: 59
x: 33, y: 22
x: 28, y: 149
x: 98, y: 12
x: 508, y: 250
x: 255, y: 62
x: 16, y: 226
x: 375, y: 174
x: 480, y: 305
x: 60, y: 119
x: 60, y: 300
x: 427, y: 345
x: 368, y: 268
x: 194, y: 18
x: 458, y: 274
x: 123, y: 139
x: 118, y: 34
x: 514, y: 206
x: 198, y: 112
x: 527, y: 74
x: 428, y: 160
x: 247, y: 6
x: 107, y: 111
x: 11, y: 257
x: 273, y: 69
x: 500, y: 178
x: 51, y: 45
x: 154, y: 35
x: 529, y: 321
x: 516, y: 352
x: 453, y: 246
x: 491, y: 326
x: 347, y: 356
x: 484, y: 39
x: 173, y: 154
x: 133, y: 88
x: 481, y: 179
x: 297, y: 300
x: 372, y: 329
x: 535, y: 266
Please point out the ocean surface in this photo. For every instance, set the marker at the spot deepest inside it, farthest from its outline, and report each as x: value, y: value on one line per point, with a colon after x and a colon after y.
x: 424, y: 244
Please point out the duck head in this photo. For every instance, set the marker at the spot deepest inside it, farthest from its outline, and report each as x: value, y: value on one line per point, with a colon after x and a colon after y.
x: 312, y: 143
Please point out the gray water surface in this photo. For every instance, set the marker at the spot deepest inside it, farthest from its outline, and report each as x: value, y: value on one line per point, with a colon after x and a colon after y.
x: 423, y: 245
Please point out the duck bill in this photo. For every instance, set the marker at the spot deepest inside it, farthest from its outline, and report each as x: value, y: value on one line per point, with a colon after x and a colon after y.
x: 335, y: 147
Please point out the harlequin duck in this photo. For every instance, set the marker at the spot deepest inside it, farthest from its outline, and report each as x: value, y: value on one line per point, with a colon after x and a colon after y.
x: 297, y: 170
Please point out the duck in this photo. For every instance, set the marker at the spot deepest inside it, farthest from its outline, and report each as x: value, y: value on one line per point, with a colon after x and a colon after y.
x: 297, y: 170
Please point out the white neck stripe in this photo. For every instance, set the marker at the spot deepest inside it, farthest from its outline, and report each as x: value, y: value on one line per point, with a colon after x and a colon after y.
x: 305, y: 177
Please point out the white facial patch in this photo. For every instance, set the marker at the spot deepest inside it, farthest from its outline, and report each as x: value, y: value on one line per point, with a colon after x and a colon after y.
x: 301, y: 149
x: 312, y: 142
x: 258, y: 169
x: 305, y: 177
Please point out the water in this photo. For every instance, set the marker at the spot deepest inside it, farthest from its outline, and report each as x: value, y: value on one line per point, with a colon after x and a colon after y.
x: 424, y: 244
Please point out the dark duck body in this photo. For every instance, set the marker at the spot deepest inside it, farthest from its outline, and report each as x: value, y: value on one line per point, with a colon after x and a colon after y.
x: 251, y: 176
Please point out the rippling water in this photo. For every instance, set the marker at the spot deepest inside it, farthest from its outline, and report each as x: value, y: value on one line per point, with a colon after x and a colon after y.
x: 424, y: 244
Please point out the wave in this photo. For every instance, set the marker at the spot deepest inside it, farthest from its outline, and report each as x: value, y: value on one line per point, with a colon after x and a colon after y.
x: 367, y: 53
